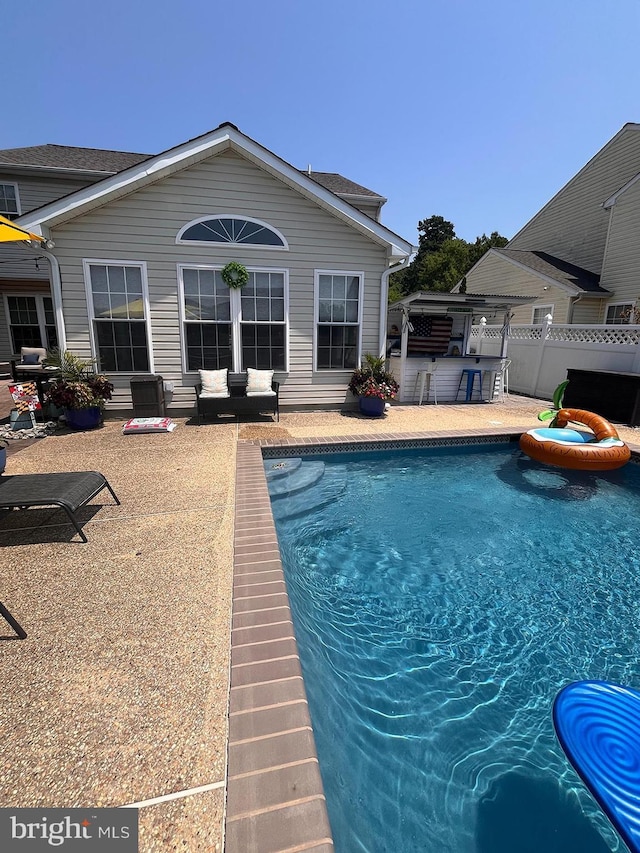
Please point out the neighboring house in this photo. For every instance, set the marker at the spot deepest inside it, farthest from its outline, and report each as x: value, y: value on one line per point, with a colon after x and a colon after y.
x: 137, y: 245
x: 580, y: 255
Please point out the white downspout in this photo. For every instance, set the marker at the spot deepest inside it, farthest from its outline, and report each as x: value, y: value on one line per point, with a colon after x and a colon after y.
x: 572, y: 306
x: 384, y: 299
x: 56, y: 292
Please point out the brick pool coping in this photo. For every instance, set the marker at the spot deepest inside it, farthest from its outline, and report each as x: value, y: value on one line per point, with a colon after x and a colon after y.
x: 275, y: 798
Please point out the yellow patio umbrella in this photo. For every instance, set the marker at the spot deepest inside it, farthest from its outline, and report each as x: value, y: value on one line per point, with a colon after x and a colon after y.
x: 10, y: 232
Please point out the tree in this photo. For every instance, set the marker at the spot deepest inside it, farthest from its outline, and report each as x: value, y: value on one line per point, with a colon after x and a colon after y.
x: 442, y: 269
x: 434, y: 232
x: 483, y: 244
x: 442, y: 258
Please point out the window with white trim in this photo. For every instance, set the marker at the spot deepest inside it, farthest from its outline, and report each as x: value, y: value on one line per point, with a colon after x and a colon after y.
x: 118, y: 302
x: 619, y: 313
x: 31, y: 321
x: 234, y: 328
x: 539, y: 313
x: 9, y: 201
x: 338, y: 297
x: 236, y: 230
x: 207, y: 319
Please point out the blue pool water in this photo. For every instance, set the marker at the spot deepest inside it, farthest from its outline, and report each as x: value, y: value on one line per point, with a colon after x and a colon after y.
x: 441, y: 598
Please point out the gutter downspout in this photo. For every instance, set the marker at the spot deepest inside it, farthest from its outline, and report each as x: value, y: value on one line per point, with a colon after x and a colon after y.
x: 574, y: 302
x: 384, y: 300
x: 56, y: 292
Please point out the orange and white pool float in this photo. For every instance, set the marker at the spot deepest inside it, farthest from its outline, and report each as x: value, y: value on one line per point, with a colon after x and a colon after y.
x: 602, y: 449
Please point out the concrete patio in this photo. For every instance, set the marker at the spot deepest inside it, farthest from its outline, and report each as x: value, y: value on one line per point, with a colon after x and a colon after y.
x: 119, y: 693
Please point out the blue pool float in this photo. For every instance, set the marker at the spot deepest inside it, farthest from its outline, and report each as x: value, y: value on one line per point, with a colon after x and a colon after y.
x: 598, y: 726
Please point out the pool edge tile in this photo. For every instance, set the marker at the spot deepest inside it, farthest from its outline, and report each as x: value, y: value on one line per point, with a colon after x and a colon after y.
x: 270, y: 733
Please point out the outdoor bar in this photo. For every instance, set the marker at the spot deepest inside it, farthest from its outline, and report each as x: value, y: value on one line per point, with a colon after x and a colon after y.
x: 428, y: 353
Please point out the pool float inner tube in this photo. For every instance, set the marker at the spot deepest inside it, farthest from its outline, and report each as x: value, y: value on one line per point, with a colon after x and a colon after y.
x: 599, y: 450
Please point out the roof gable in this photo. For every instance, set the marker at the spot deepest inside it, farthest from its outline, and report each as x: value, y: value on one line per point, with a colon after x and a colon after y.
x: 559, y: 272
x: 175, y: 159
x: 343, y: 186
x: 573, y: 224
x: 72, y: 158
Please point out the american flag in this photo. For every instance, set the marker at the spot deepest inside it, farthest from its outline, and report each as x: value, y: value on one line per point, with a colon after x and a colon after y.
x: 430, y: 335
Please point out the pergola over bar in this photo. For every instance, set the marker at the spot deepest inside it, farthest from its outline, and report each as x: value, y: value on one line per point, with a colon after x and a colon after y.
x: 428, y: 336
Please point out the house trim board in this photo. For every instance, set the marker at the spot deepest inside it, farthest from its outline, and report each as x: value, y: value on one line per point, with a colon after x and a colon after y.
x: 187, y: 154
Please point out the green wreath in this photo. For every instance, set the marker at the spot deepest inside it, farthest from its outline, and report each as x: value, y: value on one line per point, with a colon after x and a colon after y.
x: 235, y: 275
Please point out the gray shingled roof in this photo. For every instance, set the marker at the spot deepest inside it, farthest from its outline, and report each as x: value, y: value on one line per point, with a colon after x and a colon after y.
x: 110, y: 162
x: 339, y: 185
x: 67, y: 157
x: 557, y: 269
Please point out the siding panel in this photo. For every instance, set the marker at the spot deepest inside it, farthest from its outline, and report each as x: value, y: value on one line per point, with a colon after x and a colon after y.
x: 495, y: 275
x: 621, y: 271
x: 143, y: 227
x: 573, y: 225
x: 17, y: 261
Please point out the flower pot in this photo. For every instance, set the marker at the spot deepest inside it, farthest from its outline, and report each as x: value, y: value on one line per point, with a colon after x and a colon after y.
x: 83, y: 418
x: 3, y: 458
x: 373, y: 407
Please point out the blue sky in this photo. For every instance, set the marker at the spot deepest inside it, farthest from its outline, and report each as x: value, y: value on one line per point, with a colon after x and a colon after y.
x: 478, y: 112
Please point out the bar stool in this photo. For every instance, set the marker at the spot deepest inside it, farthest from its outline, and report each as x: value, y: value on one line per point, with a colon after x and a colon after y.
x: 499, y: 381
x: 470, y: 376
x: 426, y: 378
x: 503, y: 378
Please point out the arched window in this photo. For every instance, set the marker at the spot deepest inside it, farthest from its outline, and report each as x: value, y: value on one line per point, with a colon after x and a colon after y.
x: 238, y: 230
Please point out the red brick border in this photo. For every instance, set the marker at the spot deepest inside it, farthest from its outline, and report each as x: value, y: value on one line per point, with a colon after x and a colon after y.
x: 275, y: 800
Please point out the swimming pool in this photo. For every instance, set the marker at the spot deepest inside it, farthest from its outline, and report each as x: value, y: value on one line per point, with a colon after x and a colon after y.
x: 441, y: 598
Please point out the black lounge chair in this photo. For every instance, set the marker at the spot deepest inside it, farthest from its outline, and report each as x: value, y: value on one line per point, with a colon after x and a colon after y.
x: 70, y: 491
x: 12, y: 621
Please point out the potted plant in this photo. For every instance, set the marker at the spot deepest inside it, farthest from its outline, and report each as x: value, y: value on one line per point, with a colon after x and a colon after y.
x: 78, y: 390
x: 373, y: 386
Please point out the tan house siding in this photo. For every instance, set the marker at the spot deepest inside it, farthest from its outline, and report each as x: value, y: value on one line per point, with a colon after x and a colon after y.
x: 573, y: 225
x: 621, y: 271
x: 497, y: 276
x: 587, y: 311
x: 37, y: 191
x: 17, y: 261
x: 143, y: 227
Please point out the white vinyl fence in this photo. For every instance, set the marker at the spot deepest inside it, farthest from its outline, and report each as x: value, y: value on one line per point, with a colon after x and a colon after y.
x: 540, y: 355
